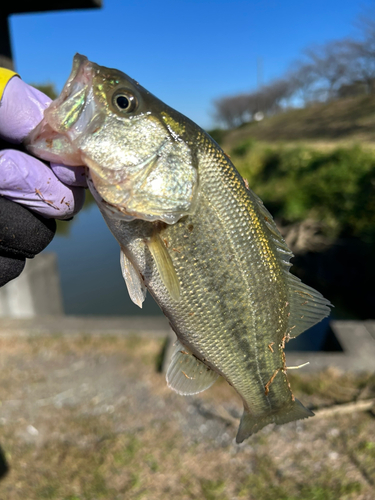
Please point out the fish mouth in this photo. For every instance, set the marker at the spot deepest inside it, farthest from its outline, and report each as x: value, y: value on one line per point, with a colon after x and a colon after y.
x: 81, y: 69
x: 80, y: 78
x: 72, y: 114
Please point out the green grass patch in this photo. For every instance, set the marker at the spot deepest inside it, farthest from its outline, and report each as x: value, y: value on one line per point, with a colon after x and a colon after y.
x: 213, y: 489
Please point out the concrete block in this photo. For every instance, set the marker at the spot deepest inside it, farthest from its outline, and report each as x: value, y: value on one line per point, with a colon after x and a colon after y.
x: 35, y: 292
x: 358, y: 354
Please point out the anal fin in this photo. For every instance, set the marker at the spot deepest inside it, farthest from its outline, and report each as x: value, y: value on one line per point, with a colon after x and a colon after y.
x: 188, y: 375
x: 133, y: 280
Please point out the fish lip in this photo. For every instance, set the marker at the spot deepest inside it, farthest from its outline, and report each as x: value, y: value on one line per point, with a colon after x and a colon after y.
x: 78, y: 61
x: 54, y: 128
x: 82, y: 68
x: 78, y: 82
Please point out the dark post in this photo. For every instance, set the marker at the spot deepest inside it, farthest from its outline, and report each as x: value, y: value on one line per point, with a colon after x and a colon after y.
x: 5, y: 48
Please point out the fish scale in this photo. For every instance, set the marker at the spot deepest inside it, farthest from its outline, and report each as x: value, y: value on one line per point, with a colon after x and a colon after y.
x: 191, y: 233
x: 214, y: 313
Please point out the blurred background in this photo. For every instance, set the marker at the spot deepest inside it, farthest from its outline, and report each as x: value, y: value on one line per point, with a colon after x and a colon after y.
x: 288, y: 91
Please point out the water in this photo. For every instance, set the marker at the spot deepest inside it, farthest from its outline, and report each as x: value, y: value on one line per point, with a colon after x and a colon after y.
x: 319, y: 337
x: 90, y: 273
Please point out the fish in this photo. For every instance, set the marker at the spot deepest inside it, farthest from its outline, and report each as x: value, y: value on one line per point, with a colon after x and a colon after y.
x: 191, y: 233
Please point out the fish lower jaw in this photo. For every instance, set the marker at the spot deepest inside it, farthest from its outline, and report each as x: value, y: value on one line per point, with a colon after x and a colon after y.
x: 122, y: 212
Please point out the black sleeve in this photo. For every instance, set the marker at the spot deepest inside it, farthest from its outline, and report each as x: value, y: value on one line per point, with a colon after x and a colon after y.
x: 23, y: 234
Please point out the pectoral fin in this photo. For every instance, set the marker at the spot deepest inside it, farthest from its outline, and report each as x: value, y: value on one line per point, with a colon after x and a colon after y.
x: 164, y: 265
x: 186, y: 374
x: 133, y: 280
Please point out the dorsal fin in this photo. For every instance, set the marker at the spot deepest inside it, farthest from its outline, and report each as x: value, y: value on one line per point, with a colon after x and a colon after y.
x: 306, y: 306
x: 282, y: 248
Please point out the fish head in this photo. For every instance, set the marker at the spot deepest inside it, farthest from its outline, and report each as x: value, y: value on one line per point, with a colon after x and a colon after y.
x: 138, y: 150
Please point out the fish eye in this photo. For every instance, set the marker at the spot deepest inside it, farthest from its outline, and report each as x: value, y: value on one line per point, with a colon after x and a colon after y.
x: 125, y: 102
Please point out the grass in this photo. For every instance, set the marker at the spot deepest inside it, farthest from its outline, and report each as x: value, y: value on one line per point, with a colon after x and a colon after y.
x: 150, y: 445
x: 333, y: 386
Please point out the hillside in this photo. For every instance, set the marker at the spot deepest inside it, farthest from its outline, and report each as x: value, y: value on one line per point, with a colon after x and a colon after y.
x: 350, y: 120
x: 314, y: 169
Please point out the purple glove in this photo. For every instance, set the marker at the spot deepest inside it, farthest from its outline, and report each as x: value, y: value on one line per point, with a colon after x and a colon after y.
x: 55, y: 192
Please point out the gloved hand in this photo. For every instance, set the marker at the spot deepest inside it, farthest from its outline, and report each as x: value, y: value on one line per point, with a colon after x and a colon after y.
x: 45, y: 192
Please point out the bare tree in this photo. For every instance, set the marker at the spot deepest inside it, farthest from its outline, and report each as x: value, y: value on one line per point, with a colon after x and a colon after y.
x: 325, y: 72
x: 232, y: 111
x: 303, y: 78
x: 364, y: 52
x: 330, y: 63
x: 276, y: 94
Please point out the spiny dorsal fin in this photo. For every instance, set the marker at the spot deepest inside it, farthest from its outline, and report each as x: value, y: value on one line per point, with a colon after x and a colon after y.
x: 133, y: 280
x: 282, y: 248
x: 164, y: 265
x: 186, y: 374
x: 306, y: 306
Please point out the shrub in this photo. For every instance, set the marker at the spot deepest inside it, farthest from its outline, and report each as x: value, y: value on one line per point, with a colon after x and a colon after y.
x: 336, y: 187
x: 243, y: 147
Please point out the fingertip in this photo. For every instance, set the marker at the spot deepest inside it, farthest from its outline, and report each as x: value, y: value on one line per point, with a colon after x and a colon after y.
x: 72, y: 176
x: 72, y: 204
x: 29, y: 182
x: 22, y: 108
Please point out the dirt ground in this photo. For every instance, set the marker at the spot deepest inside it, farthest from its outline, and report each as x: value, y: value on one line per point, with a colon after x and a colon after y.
x: 90, y: 417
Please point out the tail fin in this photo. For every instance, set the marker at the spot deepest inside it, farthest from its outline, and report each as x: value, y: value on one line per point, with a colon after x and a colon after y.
x: 250, y: 425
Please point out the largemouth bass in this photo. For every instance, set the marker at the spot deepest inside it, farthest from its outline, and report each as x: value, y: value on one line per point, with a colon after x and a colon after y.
x: 191, y: 233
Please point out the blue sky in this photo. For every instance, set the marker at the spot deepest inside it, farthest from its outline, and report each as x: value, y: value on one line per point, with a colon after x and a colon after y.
x: 188, y: 53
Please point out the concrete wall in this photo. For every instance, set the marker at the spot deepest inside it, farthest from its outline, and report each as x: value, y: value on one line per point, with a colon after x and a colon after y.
x: 35, y: 292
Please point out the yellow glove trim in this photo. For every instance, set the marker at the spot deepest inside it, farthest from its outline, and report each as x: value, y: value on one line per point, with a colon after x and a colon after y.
x: 5, y: 76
